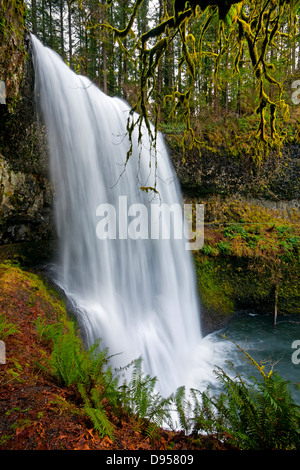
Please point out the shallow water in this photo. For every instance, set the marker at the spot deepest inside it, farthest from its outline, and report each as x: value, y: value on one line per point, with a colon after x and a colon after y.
x: 267, y: 344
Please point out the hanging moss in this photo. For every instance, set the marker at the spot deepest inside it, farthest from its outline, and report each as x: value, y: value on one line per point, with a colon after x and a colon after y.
x: 252, y: 26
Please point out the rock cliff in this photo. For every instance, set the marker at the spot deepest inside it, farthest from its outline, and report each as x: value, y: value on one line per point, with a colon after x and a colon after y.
x: 25, y: 190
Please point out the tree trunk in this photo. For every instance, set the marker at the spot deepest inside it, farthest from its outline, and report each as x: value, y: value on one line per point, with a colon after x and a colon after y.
x: 43, y: 22
x: 160, y: 70
x: 62, y: 45
x: 276, y: 303
x: 50, y: 25
x: 104, y: 65
x: 104, y: 52
x: 70, y: 32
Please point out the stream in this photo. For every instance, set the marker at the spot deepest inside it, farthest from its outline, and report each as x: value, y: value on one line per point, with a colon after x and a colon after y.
x: 266, y: 343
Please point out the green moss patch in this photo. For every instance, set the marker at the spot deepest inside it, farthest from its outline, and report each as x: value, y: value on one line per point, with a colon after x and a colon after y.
x: 249, y: 261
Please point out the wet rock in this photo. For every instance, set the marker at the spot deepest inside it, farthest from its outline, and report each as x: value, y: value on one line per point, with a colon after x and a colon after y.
x: 25, y: 191
x: 25, y: 206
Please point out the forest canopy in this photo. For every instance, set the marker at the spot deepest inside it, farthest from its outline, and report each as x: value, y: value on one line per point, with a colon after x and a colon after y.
x: 186, y: 62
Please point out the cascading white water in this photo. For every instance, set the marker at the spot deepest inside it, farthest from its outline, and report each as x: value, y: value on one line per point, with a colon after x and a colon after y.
x: 138, y: 295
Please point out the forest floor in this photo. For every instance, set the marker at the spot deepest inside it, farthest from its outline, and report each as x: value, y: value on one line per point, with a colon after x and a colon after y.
x: 38, y: 414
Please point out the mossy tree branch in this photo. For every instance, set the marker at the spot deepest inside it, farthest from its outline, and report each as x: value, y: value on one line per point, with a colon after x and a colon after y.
x: 252, y: 26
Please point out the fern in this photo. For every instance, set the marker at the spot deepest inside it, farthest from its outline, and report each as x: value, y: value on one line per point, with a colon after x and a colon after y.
x: 95, y: 411
x: 70, y: 363
x: 140, y: 398
x: 204, y: 417
x: 7, y: 329
x: 68, y: 360
x: 257, y: 414
x: 252, y: 414
x: 87, y: 370
x: 48, y: 332
x: 182, y: 408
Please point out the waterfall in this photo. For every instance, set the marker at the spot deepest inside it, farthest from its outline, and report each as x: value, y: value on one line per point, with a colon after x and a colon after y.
x: 137, y: 293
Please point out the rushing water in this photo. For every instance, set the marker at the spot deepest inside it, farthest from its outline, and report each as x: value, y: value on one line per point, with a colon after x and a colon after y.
x: 138, y: 295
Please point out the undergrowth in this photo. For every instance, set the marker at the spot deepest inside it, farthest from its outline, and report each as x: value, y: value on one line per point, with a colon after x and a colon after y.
x: 141, y: 399
x: 249, y: 260
x: 6, y: 328
x: 249, y: 414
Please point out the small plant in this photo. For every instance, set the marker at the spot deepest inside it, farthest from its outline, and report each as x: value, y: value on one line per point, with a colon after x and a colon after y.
x: 142, y: 400
x: 257, y: 414
x: 70, y: 363
x: 253, y: 414
x: 183, y: 408
x: 260, y: 415
x: 206, y: 249
x: 87, y: 370
x: 94, y: 409
x: 6, y: 329
x: 224, y: 247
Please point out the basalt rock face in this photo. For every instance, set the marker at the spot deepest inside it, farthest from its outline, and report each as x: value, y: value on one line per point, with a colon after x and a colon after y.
x: 25, y: 189
x: 276, y: 180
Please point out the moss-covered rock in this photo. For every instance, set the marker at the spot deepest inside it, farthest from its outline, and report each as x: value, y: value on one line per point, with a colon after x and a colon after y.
x: 219, y: 172
x: 250, y: 261
x: 229, y: 285
x: 25, y: 190
x: 224, y: 162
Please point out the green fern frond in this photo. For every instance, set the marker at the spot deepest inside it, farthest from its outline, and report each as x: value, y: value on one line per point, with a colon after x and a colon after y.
x: 96, y: 413
x: 182, y: 408
x: 6, y: 328
x: 141, y: 399
x: 258, y: 414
